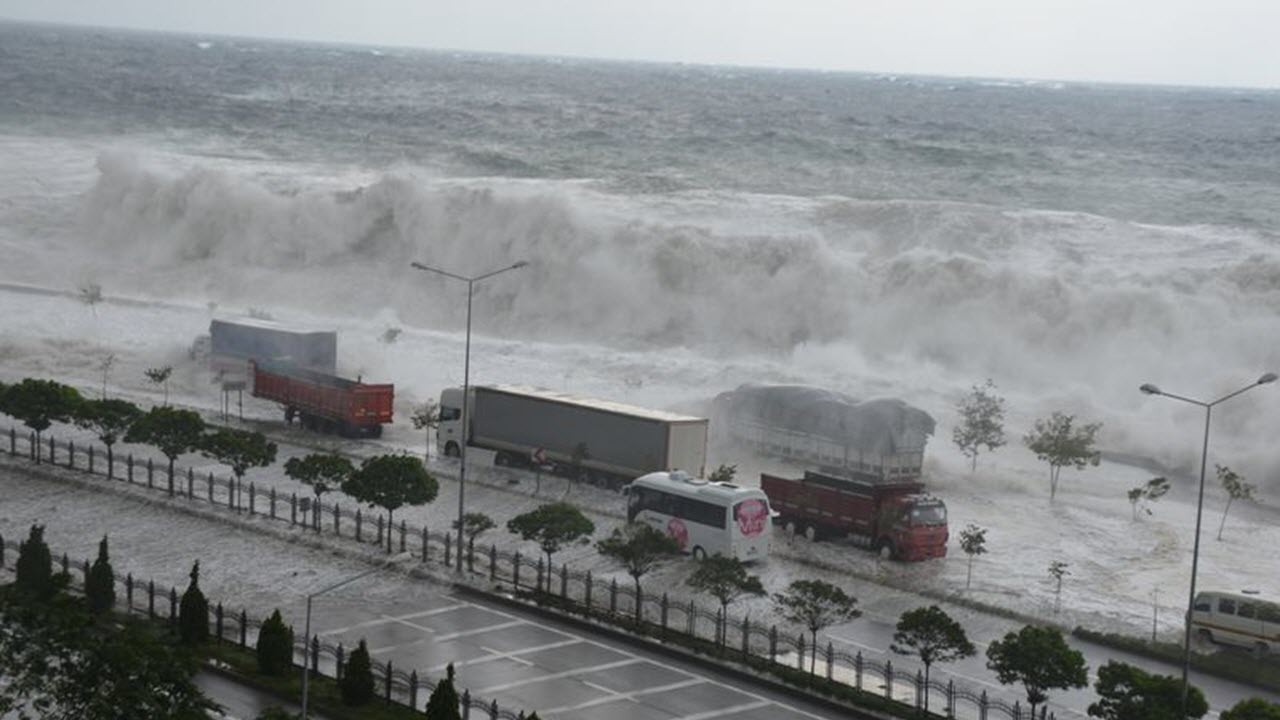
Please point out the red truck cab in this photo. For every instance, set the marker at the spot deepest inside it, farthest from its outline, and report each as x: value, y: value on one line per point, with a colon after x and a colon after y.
x: 896, y: 518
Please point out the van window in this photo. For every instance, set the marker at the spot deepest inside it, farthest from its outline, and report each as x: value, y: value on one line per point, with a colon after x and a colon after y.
x: 1246, y: 610
x: 1226, y: 606
x: 1269, y: 612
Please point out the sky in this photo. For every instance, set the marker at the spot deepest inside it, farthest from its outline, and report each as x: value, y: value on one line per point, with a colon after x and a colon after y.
x: 1180, y: 42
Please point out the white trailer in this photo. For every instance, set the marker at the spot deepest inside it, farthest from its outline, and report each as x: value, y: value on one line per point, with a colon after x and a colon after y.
x: 601, y: 441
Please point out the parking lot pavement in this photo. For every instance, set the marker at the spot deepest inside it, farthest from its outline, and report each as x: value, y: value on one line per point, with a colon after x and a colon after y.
x: 532, y: 664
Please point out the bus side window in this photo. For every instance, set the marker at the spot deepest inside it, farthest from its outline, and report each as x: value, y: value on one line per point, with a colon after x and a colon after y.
x: 1246, y: 610
x: 1226, y: 606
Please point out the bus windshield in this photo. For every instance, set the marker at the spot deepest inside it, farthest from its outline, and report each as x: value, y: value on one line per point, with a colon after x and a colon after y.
x: 929, y: 514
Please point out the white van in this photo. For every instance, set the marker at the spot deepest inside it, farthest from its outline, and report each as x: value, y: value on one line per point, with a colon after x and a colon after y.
x: 1241, y: 619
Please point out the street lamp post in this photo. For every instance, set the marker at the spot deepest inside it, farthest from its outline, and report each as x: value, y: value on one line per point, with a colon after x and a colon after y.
x: 306, y: 641
x: 466, y: 382
x: 1150, y: 389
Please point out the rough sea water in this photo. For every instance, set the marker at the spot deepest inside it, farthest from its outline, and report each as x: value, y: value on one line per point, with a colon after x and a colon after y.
x: 690, y: 227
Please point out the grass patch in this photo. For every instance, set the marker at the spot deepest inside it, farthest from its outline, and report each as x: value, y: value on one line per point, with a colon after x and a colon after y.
x: 323, y: 695
x: 1239, y: 666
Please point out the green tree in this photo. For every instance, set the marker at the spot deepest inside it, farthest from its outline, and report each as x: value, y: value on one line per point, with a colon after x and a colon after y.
x: 1252, y: 709
x: 426, y: 417
x: 723, y: 473
x: 193, y: 612
x: 40, y: 403
x: 109, y: 420
x: 100, y: 586
x: 1129, y: 693
x: 981, y: 423
x: 391, y: 482
x: 973, y: 541
x: 172, y: 432
x: 1060, y: 443
x: 1148, y: 493
x: 34, y: 571
x: 1237, y: 489
x: 932, y: 635
x: 62, y: 664
x: 553, y: 526
x: 443, y: 703
x: 323, y: 472
x: 1040, y: 659
x: 638, y: 549
x: 475, y: 524
x: 726, y: 579
x: 816, y: 605
x: 356, y: 684
x: 160, y: 376
x: 275, y: 647
x: 239, y: 450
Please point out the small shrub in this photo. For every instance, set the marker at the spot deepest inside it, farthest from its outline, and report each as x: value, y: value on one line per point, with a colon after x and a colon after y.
x: 193, y: 612
x: 357, y: 678
x: 275, y: 647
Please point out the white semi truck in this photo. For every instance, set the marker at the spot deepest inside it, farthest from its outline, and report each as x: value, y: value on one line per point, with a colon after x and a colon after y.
x: 598, y: 441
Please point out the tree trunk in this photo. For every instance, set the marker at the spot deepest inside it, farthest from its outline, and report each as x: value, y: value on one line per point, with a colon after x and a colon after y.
x: 639, y: 610
x: 1226, y: 510
x: 926, y: 688
x: 813, y: 654
x: 968, y: 580
x: 973, y: 463
x: 1053, y: 481
x: 110, y: 464
x: 171, y: 460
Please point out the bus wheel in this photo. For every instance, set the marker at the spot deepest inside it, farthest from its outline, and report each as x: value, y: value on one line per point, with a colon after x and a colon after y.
x: 451, y: 450
x: 699, y: 554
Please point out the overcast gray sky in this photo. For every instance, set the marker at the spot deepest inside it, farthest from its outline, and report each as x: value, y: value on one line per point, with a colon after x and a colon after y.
x: 1196, y: 42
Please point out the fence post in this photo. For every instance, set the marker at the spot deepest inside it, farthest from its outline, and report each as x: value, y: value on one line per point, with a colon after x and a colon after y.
x: 493, y: 561
x: 337, y: 531
x: 564, y: 581
x: 380, y: 542
x: 191, y: 483
x: 951, y: 698
x: 515, y: 565
x: 171, y: 479
x: 746, y: 637
x: 587, y: 601
x: 1, y: 551
x: 800, y: 652
x: 209, y: 485
x: 91, y: 459
x: 359, y: 522
x: 613, y: 597
x: 51, y: 447
x: 539, y: 585
x: 888, y: 679
x: 151, y: 599
x: 66, y: 564
x: 403, y: 529
x: 13, y: 441
x: 831, y: 660
x: 665, y: 606
x: 244, y: 627
x: 982, y: 706
x: 387, y: 682
x: 721, y: 629
x: 426, y: 543
x: 71, y: 454
x: 691, y: 620
x: 339, y: 655
x: 315, y: 654
x: 173, y: 607
x: 273, y: 503
x: 293, y: 508
x: 448, y: 545
x: 129, y: 460
x: 920, y: 688
x: 413, y: 690
x: 85, y: 568
x: 128, y: 592
x: 857, y: 670
x: 471, y: 554
x: 217, y: 621
x: 1017, y: 711
x: 773, y: 646
x: 252, y: 499
x: 151, y: 473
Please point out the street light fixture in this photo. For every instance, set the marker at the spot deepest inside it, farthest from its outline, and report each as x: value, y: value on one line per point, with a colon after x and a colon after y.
x: 1150, y: 389
x: 466, y: 380
x: 306, y: 653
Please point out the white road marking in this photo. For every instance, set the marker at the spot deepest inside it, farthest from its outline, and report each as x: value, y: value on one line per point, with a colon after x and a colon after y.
x: 560, y: 675
x: 478, y: 631
x: 615, y: 696
x: 726, y: 711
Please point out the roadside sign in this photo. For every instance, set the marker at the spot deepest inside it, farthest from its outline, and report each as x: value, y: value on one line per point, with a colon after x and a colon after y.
x: 540, y: 456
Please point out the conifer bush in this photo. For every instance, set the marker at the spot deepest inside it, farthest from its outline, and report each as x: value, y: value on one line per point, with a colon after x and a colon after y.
x: 275, y: 647
x: 100, y: 586
x: 357, y: 678
x: 443, y: 704
x: 34, y: 570
x: 193, y: 612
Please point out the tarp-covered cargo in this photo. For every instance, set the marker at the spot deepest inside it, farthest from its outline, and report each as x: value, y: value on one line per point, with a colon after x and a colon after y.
x: 232, y: 343
x: 881, y: 438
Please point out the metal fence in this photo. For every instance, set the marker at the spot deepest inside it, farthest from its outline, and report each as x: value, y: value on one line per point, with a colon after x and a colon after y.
x: 570, y: 591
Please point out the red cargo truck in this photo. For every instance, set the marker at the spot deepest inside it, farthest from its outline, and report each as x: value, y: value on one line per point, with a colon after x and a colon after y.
x: 896, y: 518
x: 324, y: 402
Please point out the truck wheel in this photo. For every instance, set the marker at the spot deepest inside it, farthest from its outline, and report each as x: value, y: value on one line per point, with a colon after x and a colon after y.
x: 886, y: 549
x: 451, y: 450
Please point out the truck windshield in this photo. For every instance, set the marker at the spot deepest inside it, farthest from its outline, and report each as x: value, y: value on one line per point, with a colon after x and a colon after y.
x: 935, y: 514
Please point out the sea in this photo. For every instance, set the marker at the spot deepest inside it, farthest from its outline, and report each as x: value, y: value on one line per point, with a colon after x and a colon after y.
x: 880, y: 235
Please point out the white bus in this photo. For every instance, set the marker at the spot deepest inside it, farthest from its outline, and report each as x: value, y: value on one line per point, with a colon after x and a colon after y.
x: 705, y: 518
x: 1242, y: 619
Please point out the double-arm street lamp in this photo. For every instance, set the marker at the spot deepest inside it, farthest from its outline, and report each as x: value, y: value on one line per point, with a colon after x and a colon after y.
x: 306, y: 653
x: 1195, y: 553
x: 466, y: 381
